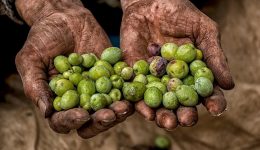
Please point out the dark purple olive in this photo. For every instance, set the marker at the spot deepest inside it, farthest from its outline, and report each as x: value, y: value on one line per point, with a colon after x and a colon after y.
x: 158, y: 66
x: 154, y: 49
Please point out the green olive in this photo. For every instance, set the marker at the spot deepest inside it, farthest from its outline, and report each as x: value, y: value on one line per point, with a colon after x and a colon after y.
x: 98, y: 101
x: 86, y: 86
x: 75, y: 78
x: 61, y: 63
x: 69, y: 99
x: 75, y: 59
x: 56, y: 103
x: 63, y: 85
x: 85, y: 101
x: 115, y: 94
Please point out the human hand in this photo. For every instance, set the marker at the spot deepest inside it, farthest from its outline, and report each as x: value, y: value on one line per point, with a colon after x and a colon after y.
x: 180, y: 22
x: 60, y: 28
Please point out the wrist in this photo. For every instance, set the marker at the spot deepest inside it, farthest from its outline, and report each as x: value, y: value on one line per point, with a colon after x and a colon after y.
x: 32, y: 11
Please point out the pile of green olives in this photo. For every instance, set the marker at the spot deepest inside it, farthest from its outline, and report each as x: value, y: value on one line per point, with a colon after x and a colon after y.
x: 175, y: 76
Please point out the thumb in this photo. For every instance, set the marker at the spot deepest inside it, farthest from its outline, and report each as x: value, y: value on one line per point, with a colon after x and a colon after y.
x: 214, y: 56
x: 31, y: 70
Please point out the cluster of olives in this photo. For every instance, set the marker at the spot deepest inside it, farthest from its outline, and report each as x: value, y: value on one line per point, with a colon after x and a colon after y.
x: 177, y: 77
x: 87, y: 82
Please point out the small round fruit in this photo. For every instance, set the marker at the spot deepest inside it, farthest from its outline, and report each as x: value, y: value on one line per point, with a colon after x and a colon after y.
x: 177, y: 69
x: 186, y: 53
x: 115, y: 94
x: 98, y: 101
x: 119, y: 66
x: 103, y: 85
x: 186, y: 95
x: 127, y: 73
x: 77, y: 69
x: 154, y: 49
x: 199, y: 54
x: 196, y: 65
x: 98, y: 71
x: 52, y: 83
x: 56, y: 103
x: 106, y: 65
x: 168, y: 51
x: 158, y: 85
x: 112, y: 55
x: 92, y: 54
x: 63, y: 85
x: 152, y: 78
x: 189, y: 80
x: 203, y: 86
x: 67, y: 74
x: 69, y: 99
x: 158, y: 66
x: 153, y: 97
x: 170, y: 100
x: 61, y: 63
x: 204, y: 72
x: 165, y: 79
x: 85, y: 74
x: 173, y: 84
x: 162, y: 142
x: 85, y: 101
x: 117, y: 81
x: 75, y: 59
x: 88, y: 60
x: 134, y: 91
x: 108, y: 99
x: 75, y: 78
x: 141, y: 67
x: 86, y: 86
x: 141, y: 78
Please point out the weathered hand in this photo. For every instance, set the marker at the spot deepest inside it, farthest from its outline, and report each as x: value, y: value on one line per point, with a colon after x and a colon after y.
x: 178, y: 21
x: 60, y: 28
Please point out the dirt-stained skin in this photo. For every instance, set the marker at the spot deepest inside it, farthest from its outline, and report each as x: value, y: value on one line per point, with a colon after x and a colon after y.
x: 64, y: 26
x: 59, y: 28
x: 178, y: 21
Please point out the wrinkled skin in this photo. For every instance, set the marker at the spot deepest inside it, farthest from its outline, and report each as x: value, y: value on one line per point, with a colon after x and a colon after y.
x: 59, y: 28
x: 178, y: 21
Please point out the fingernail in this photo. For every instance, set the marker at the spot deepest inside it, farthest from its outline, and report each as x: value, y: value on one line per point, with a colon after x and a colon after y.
x: 107, y: 122
x: 123, y: 113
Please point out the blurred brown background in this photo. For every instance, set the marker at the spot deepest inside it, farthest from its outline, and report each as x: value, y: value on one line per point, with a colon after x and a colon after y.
x: 22, y: 128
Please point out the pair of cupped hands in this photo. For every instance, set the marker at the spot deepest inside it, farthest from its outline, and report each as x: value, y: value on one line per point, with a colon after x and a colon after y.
x: 65, y: 26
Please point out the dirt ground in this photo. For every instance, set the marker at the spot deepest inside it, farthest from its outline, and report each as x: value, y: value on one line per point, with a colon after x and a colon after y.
x: 22, y: 128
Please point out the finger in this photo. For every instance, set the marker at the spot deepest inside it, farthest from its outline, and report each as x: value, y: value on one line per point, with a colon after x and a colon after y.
x: 122, y: 110
x: 34, y: 79
x: 133, y: 40
x: 209, y: 42
x: 101, y: 120
x: 187, y: 116
x: 166, y: 119
x: 145, y: 111
x: 216, y: 103
x: 64, y: 121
